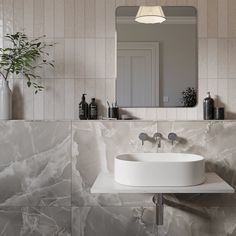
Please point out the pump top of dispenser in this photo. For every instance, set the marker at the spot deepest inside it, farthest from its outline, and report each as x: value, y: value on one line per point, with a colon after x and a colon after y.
x: 83, y: 96
x: 208, y: 97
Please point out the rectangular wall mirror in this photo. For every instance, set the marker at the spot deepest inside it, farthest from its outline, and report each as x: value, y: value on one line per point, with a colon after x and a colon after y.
x: 157, y: 63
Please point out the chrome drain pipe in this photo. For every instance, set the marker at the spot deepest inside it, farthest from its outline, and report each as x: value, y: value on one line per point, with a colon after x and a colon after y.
x: 158, y: 201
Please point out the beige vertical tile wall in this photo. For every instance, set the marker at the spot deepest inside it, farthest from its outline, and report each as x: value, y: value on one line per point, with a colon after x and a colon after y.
x: 84, y: 55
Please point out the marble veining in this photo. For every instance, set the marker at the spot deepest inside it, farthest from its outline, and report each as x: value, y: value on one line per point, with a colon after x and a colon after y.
x: 35, y: 164
x: 32, y: 221
x: 96, y: 143
x: 47, y: 170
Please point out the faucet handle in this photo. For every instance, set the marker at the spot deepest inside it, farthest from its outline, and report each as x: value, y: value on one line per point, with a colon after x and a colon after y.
x: 172, y: 137
x: 143, y: 137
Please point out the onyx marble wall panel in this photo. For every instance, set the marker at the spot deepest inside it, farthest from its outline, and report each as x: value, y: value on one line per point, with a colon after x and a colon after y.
x: 94, y: 146
x: 35, y: 163
x: 96, y: 143
x: 35, y: 221
x: 48, y: 168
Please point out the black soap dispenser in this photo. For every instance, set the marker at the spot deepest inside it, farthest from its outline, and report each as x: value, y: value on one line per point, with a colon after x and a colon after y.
x: 208, y: 107
x: 83, y: 109
x: 93, y: 110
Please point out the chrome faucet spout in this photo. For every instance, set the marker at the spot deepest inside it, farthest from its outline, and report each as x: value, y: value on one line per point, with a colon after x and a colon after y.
x: 158, y: 137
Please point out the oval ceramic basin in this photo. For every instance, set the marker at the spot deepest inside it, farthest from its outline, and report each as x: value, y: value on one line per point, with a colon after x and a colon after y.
x: 159, y: 169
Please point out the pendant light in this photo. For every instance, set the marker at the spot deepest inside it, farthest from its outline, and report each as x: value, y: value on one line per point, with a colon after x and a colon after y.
x: 150, y: 15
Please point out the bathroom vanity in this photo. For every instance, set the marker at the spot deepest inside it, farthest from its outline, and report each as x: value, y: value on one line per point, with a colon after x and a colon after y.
x: 159, y: 173
x: 105, y: 183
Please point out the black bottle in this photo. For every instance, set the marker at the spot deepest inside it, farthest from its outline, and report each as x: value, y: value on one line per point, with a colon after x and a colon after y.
x: 208, y: 107
x: 83, y: 109
x: 93, y: 110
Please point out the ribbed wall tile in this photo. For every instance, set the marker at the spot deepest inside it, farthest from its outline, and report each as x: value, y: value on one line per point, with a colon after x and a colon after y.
x: 28, y: 17
x: 100, y: 18
x: 203, y: 89
x: 192, y: 113
x: 90, y: 57
x: 100, y: 95
x: 90, y: 18
x: 38, y: 18
x: 59, y: 99
x: 18, y: 14
x: 212, y: 58
x: 69, y: 99
x: 8, y: 16
x: 70, y: 58
x: 223, y: 94
x: 231, y: 99
x: 222, y: 18
x: 49, y: 99
x: 79, y: 90
x: 223, y: 58
x: 79, y: 18
x: 28, y: 107
x: 70, y: 19
x: 212, y: 86
x: 110, y: 57
x: 1, y: 27
x: 110, y: 18
x: 80, y: 58
x: 232, y: 58
x: 212, y: 18
x: 90, y: 89
x: 232, y: 18
x: 49, y: 18
x: 202, y: 18
x: 171, y: 114
x: 59, y: 57
x: 85, y: 54
x: 39, y: 105
x: 202, y: 57
x: 59, y: 18
x: 100, y: 58
x: 181, y: 114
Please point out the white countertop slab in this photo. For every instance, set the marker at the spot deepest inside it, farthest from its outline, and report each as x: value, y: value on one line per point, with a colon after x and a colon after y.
x: 105, y: 183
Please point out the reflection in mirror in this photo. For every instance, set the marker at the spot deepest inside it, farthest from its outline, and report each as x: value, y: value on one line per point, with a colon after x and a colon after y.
x: 156, y: 62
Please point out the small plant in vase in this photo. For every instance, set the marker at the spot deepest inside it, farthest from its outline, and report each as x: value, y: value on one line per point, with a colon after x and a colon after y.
x: 22, y: 58
x: 189, y: 97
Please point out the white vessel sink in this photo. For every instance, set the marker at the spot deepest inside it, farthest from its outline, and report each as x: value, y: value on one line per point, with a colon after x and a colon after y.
x: 159, y: 169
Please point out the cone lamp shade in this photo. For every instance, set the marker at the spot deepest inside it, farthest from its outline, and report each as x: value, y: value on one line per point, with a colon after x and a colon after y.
x: 150, y: 15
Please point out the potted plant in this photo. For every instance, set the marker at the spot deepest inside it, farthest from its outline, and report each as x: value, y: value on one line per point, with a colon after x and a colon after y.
x: 22, y: 58
x: 189, y: 97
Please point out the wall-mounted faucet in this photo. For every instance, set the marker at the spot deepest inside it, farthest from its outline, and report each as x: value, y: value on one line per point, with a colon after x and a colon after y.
x: 156, y: 138
x: 172, y: 137
x: 143, y: 137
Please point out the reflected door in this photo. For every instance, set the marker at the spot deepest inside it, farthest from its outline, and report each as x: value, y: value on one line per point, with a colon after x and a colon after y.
x: 137, y: 75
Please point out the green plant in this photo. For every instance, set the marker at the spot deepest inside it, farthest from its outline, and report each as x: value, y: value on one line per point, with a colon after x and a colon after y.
x: 24, y: 57
x: 189, y: 98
